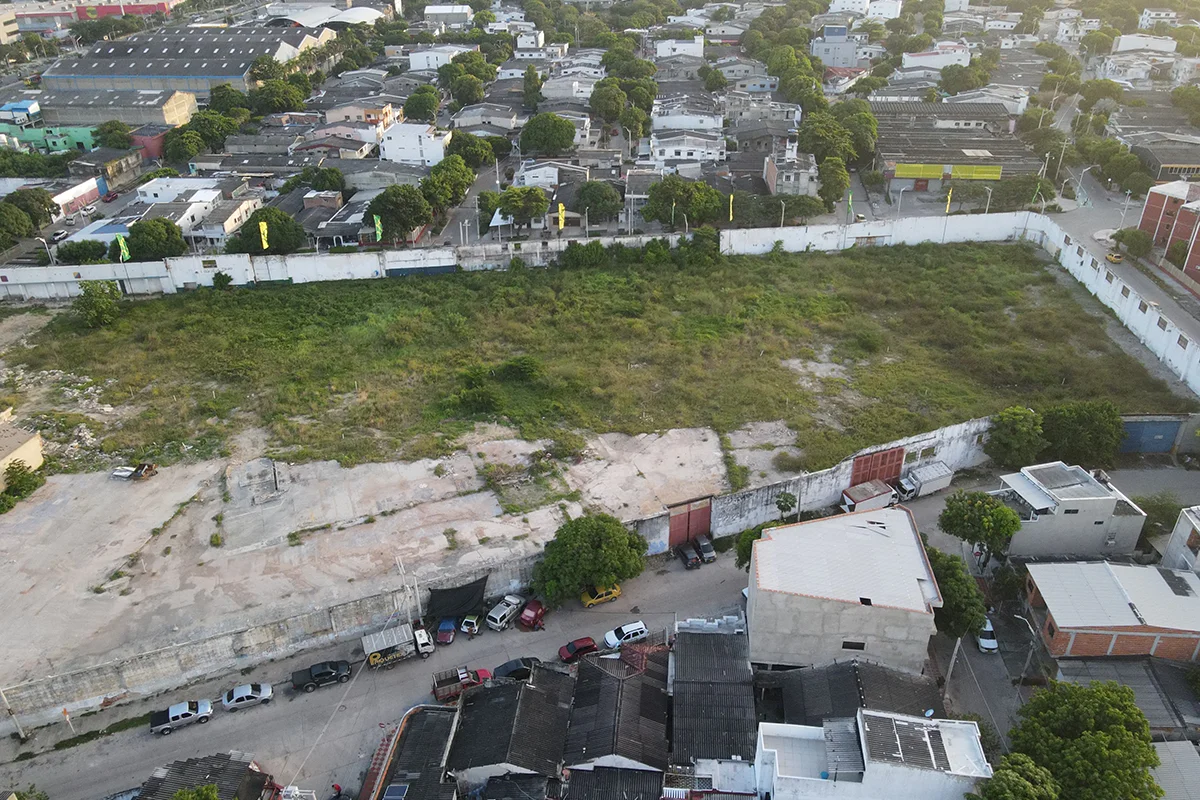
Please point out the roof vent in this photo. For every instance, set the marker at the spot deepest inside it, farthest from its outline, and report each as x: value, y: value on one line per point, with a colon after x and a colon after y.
x: 866, y: 601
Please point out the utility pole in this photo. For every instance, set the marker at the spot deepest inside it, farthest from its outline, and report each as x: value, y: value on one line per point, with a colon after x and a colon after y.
x: 1128, y: 196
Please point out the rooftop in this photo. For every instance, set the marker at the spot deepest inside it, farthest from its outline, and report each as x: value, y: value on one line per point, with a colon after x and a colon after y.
x: 1102, y: 594
x: 713, y: 687
x: 1179, y: 771
x: 938, y: 744
x: 233, y: 774
x: 874, y: 556
x: 926, y: 113
x: 519, y: 787
x: 810, y: 696
x: 13, y: 437
x: 1047, y: 485
x: 610, y: 783
x: 620, y: 710
x: 1160, y: 688
x: 417, y: 760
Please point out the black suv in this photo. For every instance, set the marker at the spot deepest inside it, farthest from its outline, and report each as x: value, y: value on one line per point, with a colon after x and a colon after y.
x: 688, y: 555
x: 307, y: 680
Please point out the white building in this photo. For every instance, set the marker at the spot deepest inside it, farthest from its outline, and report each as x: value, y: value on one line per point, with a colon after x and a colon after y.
x: 1072, y: 30
x: 941, y: 56
x: 857, y: 7
x: 672, y: 148
x: 416, y: 143
x: 873, y: 756
x: 884, y: 9
x: 428, y: 59
x: 728, y: 32
x: 1184, y: 544
x: 534, y: 39
x: 1069, y: 512
x: 449, y: 15
x: 168, y: 190
x: 1141, y: 41
x: 1152, y: 16
x: 679, y: 47
x: 577, y: 87
x: 791, y: 172
x: 852, y: 586
x: 1015, y: 99
x: 685, y: 114
x: 954, y: 6
x: 834, y: 47
x: 487, y: 114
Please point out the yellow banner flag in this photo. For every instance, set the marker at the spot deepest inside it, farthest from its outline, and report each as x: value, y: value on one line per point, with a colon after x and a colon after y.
x: 124, y: 247
x: 949, y: 194
x: 262, y: 233
x: 731, y: 208
x: 562, y: 216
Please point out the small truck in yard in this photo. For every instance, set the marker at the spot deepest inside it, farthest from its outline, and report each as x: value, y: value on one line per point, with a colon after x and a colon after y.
x: 322, y: 674
x: 450, y: 683
x: 180, y: 715
x: 928, y: 479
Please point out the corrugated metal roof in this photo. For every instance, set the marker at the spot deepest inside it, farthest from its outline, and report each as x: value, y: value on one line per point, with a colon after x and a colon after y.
x: 842, y: 748
x: 611, y: 783
x: 873, y: 555
x: 1100, y: 594
x: 1138, y: 675
x: 1179, y: 773
x: 232, y: 773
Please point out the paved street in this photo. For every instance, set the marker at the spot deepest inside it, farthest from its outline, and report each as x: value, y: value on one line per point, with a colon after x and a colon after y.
x: 329, y: 736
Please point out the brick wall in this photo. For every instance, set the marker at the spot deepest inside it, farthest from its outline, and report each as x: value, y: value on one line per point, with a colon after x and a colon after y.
x: 1146, y: 641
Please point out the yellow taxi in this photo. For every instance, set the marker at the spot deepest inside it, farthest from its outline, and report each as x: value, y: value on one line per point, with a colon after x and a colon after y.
x: 1115, y: 258
x: 597, y: 595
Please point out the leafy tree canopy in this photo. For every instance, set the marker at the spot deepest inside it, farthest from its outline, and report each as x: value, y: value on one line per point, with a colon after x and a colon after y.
x: 548, y: 134
x: 476, y: 152
x: 1085, y: 432
x: 963, y: 610
x: 979, y: 518
x: 151, y: 240
x: 98, y: 302
x: 1015, y: 439
x: 401, y: 210
x: 37, y: 203
x: 592, y: 550
x: 114, y: 134
x: 284, y: 234
x: 600, y: 200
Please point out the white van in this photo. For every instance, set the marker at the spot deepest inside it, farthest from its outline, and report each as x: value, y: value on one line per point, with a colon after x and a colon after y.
x: 505, y: 612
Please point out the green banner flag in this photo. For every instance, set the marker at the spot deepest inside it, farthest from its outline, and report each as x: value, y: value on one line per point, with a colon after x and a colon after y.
x: 124, y: 247
x: 378, y: 229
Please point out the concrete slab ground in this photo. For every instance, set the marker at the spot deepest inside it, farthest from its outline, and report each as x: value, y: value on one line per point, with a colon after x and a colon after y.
x: 755, y: 446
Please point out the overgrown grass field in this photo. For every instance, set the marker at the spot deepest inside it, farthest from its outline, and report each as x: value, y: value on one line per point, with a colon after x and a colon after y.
x: 381, y: 369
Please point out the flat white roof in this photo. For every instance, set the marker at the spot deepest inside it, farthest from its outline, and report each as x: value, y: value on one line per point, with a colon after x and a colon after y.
x: 876, y: 555
x: 1100, y: 594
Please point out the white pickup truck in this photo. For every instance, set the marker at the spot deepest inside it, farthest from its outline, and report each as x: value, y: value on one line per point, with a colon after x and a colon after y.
x: 179, y: 715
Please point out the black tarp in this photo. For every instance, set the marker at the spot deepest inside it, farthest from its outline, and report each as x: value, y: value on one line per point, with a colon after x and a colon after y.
x: 459, y: 601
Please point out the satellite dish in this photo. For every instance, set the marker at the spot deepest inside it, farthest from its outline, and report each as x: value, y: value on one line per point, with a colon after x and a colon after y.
x: 928, y: 713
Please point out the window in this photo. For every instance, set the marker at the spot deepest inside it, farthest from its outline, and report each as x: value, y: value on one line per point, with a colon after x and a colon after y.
x: 1162, y: 323
x: 1142, y: 307
x: 1095, y: 264
x: 1124, y: 291
x: 854, y: 645
x: 1098, y: 522
x: 1071, y: 511
x: 1108, y: 277
x: 1079, y: 250
x: 911, y: 457
x: 1067, y: 240
x: 1050, y: 631
x: 1182, y: 342
x: 928, y: 452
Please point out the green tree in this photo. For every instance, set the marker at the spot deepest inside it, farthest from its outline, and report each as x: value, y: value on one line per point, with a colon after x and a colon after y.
x: 467, y: 90
x: 422, y: 105
x: 957, y: 78
x: 674, y: 200
x: 183, y: 147
x: 401, y: 210
x: 523, y: 204
x: 483, y: 18
x: 1015, y: 439
x: 88, y: 251
x: 274, y: 97
x: 1084, y: 432
x: 213, y: 128
x: 834, y: 180
x: 501, y: 146
x: 600, y: 200
x: 114, y: 134
x: 224, y: 98
x: 301, y: 82
x: 548, y: 134
x: 151, y: 240
x: 1137, y: 242
x: 1017, y: 777
x: 1137, y: 183
x: 1097, y: 43
x: 533, y: 88
x: 20, y: 481
x: 319, y: 179
x: 592, y: 550
x: 1177, y: 253
x: 607, y: 103
x: 488, y: 203
x: 963, y: 610
x: 474, y: 151
x: 979, y: 518
x: 1093, y: 740
x: 14, y: 224
x: 476, y: 64
x: 37, y: 203
x: 635, y: 121
x: 1095, y: 91
x: 438, y: 193
x: 266, y: 68
x: 31, y: 792
x: 284, y: 234
x: 98, y: 302
x: 456, y: 173
x: 822, y: 135
x: 206, y: 792
x: 786, y: 503
x: 715, y: 81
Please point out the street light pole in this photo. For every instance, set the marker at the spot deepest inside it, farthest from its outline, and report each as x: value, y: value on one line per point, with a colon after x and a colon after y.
x: 1032, y: 645
x: 900, y: 201
x: 988, y: 207
x: 48, y: 253
x: 1128, y: 197
x: 782, y: 207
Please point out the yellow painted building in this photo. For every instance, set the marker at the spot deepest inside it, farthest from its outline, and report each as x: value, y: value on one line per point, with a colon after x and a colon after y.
x: 18, y: 444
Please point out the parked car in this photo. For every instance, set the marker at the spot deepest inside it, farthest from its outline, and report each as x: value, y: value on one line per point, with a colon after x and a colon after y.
x: 986, y: 638
x: 108, y: 198
x: 597, y: 595
x: 531, y: 617
x: 518, y: 669
x: 445, y: 632
x: 89, y: 210
x: 470, y: 625
x: 1115, y: 258
x: 59, y: 236
x: 246, y: 695
x: 505, y: 612
x: 321, y: 674
x: 688, y: 555
x: 179, y: 715
x: 704, y: 547
x: 573, y: 651
x: 70, y: 220
x: 629, y: 632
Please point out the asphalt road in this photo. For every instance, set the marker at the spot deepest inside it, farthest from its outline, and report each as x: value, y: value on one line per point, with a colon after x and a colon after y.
x: 329, y: 736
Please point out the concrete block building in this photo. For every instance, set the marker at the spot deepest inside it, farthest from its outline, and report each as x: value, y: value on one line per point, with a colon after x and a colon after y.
x: 851, y: 586
x: 153, y: 107
x: 1170, y: 214
x: 1095, y: 609
x: 1184, y: 544
x: 1068, y: 511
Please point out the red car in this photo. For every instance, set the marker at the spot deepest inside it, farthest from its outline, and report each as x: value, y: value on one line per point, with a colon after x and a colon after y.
x: 531, y: 617
x: 571, y: 652
x: 108, y: 198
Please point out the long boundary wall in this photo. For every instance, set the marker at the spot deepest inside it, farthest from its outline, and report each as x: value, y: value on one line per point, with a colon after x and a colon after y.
x: 959, y: 446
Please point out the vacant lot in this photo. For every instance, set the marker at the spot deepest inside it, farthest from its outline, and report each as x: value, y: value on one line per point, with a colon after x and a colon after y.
x: 849, y: 350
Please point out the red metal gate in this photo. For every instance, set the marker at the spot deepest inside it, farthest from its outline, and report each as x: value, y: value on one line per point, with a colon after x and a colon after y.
x: 689, y: 520
x: 884, y: 465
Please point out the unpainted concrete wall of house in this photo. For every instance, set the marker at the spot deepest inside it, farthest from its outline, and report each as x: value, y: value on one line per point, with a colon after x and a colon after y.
x: 1083, y: 535
x: 799, y: 630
